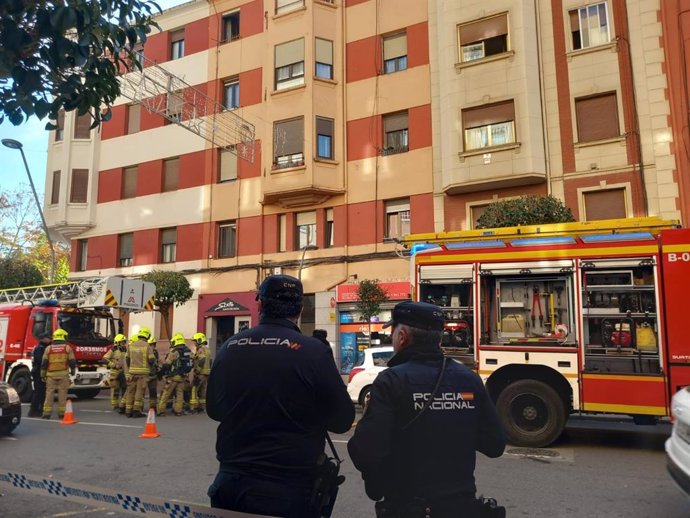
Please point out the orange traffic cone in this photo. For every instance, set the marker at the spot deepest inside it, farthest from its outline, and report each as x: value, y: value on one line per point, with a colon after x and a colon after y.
x: 68, y: 418
x: 150, y: 431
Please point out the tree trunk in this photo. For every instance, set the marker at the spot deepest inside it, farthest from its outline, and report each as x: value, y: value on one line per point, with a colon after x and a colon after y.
x: 165, y: 313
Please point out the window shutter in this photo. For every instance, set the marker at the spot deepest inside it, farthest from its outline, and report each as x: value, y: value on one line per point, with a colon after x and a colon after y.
x: 133, y: 118
x: 171, y: 174
x: 228, y: 165
x: 175, y: 102
x: 82, y: 126
x: 324, y: 51
x: 129, y: 181
x: 395, y: 122
x: 55, y: 188
x: 324, y: 126
x: 597, y: 117
x: 290, y: 52
x: 306, y: 218
x: 60, y: 123
x: 483, y: 29
x: 79, y: 187
x: 126, y: 246
x: 169, y: 236
x: 488, y: 114
x: 605, y: 204
x: 395, y: 46
x: 397, y: 205
x: 288, y: 137
x: 177, y: 35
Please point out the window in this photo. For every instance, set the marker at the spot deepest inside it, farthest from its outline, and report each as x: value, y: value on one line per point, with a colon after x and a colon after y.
x: 60, y: 129
x: 397, y: 218
x: 483, y: 38
x: 227, y: 164
x: 177, y: 44
x: 589, y: 26
x: 395, y: 133
x: 133, y: 118
x: 125, y: 249
x: 168, y: 245
x: 82, y: 126
x: 289, y: 63
x: 129, y: 182
x: 330, y: 228
x: 324, y: 138
x: 231, y: 94
x: 394, y: 53
x: 175, y: 105
x: 489, y: 125
x: 305, y: 234
x: 231, y: 27
x: 288, y: 142
x: 605, y: 204
x: 282, y: 234
x: 83, y: 247
x: 139, y: 54
x: 324, y: 59
x: 55, y: 188
x: 597, y: 117
x: 227, y: 239
x: 171, y: 174
x: 79, y: 186
x: 476, y: 212
x: 284, y: 6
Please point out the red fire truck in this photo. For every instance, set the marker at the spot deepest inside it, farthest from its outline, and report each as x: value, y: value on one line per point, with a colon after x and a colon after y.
x: 83, y: 309
x: 564, y: 318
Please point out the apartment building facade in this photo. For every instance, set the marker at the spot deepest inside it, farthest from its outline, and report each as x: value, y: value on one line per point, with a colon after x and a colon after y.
x: 373, y: 119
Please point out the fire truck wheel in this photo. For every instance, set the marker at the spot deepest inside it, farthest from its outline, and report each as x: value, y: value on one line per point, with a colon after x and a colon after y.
x: 532, y: 413
x: 21, y: 381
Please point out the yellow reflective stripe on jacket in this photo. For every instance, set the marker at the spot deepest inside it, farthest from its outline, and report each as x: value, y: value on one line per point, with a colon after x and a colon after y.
x: 56, y: 360
x: 112, y: 357
x: 139, y: 354
x: 202, y: 360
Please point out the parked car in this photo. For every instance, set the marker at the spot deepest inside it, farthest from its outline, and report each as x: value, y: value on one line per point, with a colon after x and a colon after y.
x: 374, y: 360
x: 678, y: 445
x: 10, y: 408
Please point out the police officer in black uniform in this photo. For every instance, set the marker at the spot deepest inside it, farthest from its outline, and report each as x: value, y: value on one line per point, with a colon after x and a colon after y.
x: 39, y: 394
x: 275, y: 393
x: 424, y: 467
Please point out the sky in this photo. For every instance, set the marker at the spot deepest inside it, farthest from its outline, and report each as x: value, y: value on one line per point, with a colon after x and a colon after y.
x: 33, y: 135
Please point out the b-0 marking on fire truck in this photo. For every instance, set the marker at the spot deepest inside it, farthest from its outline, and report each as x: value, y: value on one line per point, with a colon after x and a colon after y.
x: 673, y: 257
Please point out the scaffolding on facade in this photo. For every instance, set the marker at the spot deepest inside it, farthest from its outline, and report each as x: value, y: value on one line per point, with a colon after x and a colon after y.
x: 165, y: 94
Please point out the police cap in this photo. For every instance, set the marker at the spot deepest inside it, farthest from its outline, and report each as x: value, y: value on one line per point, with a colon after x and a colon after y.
x: 417, y: 314
x: 280, y: 287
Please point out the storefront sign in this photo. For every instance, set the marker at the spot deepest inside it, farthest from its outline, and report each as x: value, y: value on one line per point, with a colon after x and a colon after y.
x: 394, y: 291
x: 227, y: 305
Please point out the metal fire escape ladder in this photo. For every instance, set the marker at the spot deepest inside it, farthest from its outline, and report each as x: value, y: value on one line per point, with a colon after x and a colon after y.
x: 165, y: 94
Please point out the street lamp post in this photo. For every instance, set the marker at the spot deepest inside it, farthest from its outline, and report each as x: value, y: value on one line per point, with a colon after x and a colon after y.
x: 15, y: 144
x: 301, y: 261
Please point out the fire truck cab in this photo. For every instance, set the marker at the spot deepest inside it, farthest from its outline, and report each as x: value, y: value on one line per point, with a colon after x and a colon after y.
x: 564, y: 318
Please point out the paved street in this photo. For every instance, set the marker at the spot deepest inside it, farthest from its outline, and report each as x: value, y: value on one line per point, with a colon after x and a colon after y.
x: 610, y: 469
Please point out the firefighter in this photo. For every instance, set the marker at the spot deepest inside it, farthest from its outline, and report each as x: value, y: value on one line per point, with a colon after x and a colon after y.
x: 202, y: 368
x: 138, y: 360
x: 153, y: 375
x: 39, y: 394
x: 115, y: 361
x: 177, y: 364
x: 56, y: 366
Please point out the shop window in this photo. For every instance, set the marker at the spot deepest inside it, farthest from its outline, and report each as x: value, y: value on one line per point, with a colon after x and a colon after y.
x: 79, y: 186
x: 285, y: 6
x: 324, y: 138
x: 397, y: 218
x: 168, y: 245
x: 60, y: 126
x: 231, y: 94
x: 227, y: 239
x: 330, y: 229
x: 133, y: 118
x: 597, y: 117
x: 589, y: 26
x: 289, y: 64
x: 227, y: 164
x: 55, y: 188
x: 177, y: 44
x: 171, y: 174
x: 83, y: 248
x: 125, y: 248
x: 82, y: 126
x: 483, y: 38
x: 394, y: 53
x: 323, y: 67
x: 305, y: 231
x: 129, y: 182
x: 605, y: 204
x: 288, y: 142
x: 395, y: 133
x: 231, y: 27
x: 489, y: 125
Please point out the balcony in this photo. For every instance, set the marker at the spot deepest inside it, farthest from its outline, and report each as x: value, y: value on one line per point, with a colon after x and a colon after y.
x: 296, y: 183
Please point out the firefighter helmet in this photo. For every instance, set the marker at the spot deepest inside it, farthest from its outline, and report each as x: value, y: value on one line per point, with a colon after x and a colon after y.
x: 120, y: 339
x: 152, y: 340
x: 200, y: 338
x: 144, y: 333
x: 177, y: 340
x: 60, y: 334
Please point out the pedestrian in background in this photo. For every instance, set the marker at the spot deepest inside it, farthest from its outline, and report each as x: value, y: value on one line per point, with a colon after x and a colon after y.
x: 39, y: 394
x: 427, y: 417
x: 57, y: 364
x: 275, y: 393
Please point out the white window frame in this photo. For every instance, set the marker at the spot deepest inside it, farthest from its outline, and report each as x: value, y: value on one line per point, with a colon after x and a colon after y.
x: 487, y: 135
x: 585, y: 9
x: 232, y: 225
x: 400, y: 209
x: 305, y: 229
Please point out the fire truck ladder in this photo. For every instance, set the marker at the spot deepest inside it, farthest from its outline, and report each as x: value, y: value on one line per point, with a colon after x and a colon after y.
x: 36, y: 293
x: 165, y: 94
